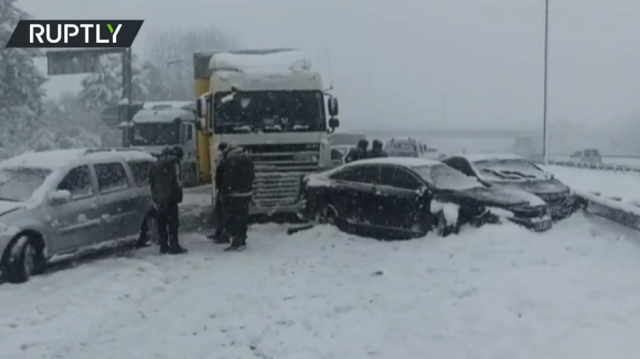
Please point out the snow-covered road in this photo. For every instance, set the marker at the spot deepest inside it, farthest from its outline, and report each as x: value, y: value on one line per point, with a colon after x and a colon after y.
x: 494, y: 292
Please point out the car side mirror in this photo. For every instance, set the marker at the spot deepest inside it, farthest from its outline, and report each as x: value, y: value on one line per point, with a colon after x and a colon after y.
x: 424, y: 191
x: 60, y: 197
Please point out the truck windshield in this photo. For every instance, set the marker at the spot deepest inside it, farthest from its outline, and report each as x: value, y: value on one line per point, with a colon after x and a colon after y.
x: 269, y: 111
x: 156, y: 134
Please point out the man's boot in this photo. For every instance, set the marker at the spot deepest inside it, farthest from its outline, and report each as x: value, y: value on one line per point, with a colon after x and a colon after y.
x: 237, y: 245
x: 176, y: 249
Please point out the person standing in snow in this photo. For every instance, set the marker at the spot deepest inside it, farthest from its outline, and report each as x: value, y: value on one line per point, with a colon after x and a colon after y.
x: 166, y: 192
x: 376, y: 150
x: 357, y: 153
x: 220, y: 236
x: 237, y: 176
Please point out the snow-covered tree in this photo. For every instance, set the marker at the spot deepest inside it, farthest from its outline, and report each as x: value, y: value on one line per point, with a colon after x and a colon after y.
x: 21, y: 91
x: 104, y: 88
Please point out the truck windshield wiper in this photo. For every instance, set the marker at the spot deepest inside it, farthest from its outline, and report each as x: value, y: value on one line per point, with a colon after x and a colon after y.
x: 9, y: 199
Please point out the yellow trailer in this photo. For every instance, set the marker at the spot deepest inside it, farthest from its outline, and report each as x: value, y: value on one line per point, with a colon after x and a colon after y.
x: 205, y: 147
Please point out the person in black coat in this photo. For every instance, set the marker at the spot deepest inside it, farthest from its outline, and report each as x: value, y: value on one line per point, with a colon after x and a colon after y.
x: 376, y: 150
x: 220, y: 236
x: 166, y: 192
x: 357, y: 153
x: 236, y: 175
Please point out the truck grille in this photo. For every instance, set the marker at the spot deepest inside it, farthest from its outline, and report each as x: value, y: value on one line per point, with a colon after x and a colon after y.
x: 279, y: 169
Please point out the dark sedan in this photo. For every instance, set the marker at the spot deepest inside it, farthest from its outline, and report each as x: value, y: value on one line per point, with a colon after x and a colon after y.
x: 515, y: 172
x: 408, y: 197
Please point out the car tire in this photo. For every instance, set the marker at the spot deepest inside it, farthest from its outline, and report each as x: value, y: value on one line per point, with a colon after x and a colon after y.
x: 443, y: 229
x: 149, y: 230
x: 23, y: 260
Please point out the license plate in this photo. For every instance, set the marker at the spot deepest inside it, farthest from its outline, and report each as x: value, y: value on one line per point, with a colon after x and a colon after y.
x: 543, y: 226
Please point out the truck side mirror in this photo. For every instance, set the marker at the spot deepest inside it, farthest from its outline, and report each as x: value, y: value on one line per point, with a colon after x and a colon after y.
x: 334, y: 123
x: 332, y: 103
x: 202, y: 105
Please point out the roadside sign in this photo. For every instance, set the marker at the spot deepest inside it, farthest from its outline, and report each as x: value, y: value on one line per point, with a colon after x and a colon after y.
x: 69, y: 62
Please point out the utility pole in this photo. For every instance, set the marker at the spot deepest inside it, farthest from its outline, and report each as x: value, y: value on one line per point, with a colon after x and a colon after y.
x: 169, y: 85
x: 125, y: 106
x: 545, y: 153
x: 444, y: 109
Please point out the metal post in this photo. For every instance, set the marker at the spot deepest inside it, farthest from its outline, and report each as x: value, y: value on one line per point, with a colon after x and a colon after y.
x: 444, y: 109
x: 545, y: 153
x: 127, y: 94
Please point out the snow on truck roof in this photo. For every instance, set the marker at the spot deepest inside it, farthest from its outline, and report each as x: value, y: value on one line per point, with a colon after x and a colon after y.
x: 285, y: 60
x: 162, y: 116
x: 56, y: 159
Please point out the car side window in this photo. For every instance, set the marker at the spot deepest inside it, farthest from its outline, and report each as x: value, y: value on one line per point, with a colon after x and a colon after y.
x: 77, y: 182
x: 399, y: 178
x: 140, y: 172
x: 111, y: 177
x: 360, y: 174
x: 461, y: 165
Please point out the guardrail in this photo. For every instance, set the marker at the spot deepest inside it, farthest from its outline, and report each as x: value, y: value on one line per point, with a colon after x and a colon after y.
x: 612, y: 208
x: 595, y: 166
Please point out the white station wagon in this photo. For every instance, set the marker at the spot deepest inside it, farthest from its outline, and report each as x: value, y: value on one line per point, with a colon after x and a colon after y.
x: 54, y: 203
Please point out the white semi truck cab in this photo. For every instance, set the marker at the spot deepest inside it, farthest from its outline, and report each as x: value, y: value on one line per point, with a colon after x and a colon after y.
x: 276, y: 108
x: 158, y: 125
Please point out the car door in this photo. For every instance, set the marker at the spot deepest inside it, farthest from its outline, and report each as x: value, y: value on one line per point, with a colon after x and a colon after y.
x: 77, y: 222
x: 117, y: 199
x: 354, y: 192
x: 399, y: 197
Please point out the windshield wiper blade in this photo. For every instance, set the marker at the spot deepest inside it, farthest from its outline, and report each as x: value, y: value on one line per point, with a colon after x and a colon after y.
x: 9, y: 199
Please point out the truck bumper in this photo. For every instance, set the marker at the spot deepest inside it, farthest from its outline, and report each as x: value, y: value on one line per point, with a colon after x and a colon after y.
x: 254, y: 209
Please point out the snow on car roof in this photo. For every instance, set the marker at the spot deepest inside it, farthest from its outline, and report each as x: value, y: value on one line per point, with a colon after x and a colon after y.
x: 56, y: 159
x: 400, y: 161
x: 477, y: 157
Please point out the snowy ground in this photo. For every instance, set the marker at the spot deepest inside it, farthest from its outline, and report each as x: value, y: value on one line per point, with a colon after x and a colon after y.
x: 494, y: 292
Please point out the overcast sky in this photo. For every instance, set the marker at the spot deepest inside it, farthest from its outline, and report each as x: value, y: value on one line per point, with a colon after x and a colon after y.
x: 395, y: 63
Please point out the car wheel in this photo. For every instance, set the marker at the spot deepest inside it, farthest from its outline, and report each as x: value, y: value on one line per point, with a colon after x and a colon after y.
x: 149, y: 231
x: 23, y: 261
x: 441, y: 225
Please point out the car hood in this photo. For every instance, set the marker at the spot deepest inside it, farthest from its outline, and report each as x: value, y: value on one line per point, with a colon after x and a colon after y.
x: 8, y: 207
x: 538, y: 187
x: 499, y: 196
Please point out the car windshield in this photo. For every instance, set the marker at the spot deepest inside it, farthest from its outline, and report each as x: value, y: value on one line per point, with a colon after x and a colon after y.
x: 18, y: 184
x: 269, y: 111
x: 447, y: 178
x: 156, y: 134
x: 507, y: 168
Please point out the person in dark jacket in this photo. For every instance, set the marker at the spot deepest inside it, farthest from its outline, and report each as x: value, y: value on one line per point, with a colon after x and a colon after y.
x: 166, y: 192
x: 220, y: 236
x: 237, y: 176
x: 357, y: 153
x: 376, y: 150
